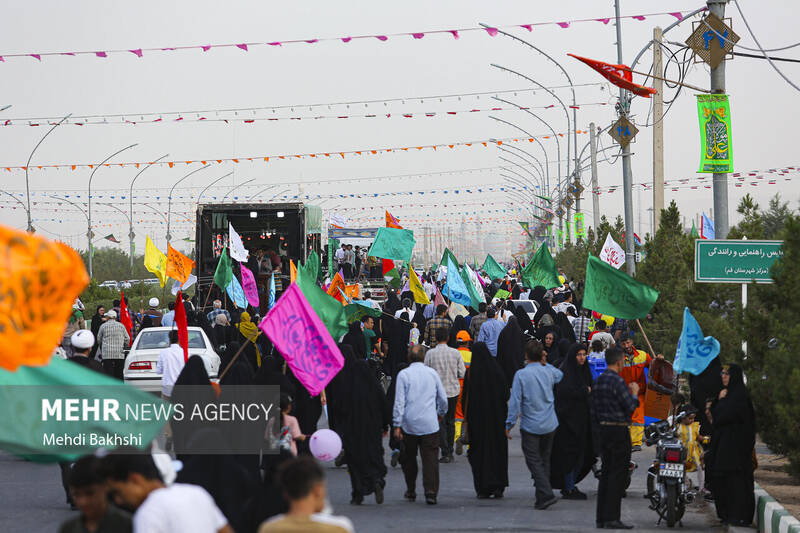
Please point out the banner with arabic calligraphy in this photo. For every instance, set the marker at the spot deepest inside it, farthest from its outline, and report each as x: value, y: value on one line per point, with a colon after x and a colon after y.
x: 580, y: 227
x: 734, y: 261
x: 714, y: 114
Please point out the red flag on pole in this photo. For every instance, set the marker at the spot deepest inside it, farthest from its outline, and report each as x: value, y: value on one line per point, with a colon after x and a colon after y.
x: 619, y: 75
x: 388, y: 265
x: 183, y: 326
x: 125, y: 316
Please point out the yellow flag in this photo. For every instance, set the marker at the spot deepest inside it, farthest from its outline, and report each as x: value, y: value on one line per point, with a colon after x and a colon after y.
x: 292, y: 272
x: 178, y: 265
x: 416, y: 287
x: 155, y: 261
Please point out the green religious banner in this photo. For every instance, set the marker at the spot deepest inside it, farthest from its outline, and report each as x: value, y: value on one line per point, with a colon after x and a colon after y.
x: 714, y: 114
x: 560, y: 238
x: 580, y: 227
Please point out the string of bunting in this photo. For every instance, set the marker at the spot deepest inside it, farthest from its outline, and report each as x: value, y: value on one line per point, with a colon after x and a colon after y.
x: 246, y: 46
x: 740, y: 179
x: 310, y: 155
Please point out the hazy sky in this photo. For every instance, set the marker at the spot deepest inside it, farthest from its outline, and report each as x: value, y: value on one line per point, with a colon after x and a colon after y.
x: 764, y: 108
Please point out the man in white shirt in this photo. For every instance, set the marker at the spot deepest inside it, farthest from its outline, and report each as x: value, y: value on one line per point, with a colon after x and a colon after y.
x: 136, y: 484
x: 169, y: 365
x: 408, y: 307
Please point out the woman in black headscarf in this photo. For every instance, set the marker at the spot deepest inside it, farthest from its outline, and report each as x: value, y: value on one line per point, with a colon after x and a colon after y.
x: 560, y: 355
x: 358, y: 406
x: 564, y: 328
x: 509, y: 350
x: 483, y: 402
x: 550, y: 344
x: 537, y: 295
x: 193, y: 373
x: 271, y: 373
x: 392, y: 303
x: 732, y: 443
x: 572, y: 454
x: 459, y: 324
x: 523, y: 320
x: 227, y: 356
x: 396, y: 333
x: 355, y: 339
x: 516, y: 290
x: 97, y: 321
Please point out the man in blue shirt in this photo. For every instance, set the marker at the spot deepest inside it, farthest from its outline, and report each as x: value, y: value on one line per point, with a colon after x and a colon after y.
x: 490, y: 331
x: 420, y: 402
x: 169, y: 317
x: 532, y: 401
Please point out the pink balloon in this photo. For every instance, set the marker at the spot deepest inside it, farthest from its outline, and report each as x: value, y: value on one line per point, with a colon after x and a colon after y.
x: 325, y: 445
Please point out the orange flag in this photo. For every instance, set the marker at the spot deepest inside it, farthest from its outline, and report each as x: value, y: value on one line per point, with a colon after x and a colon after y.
x: 392, y: 222
x: 352, y: 291
x: 178, y: 265
x: 337, y: 283
x: 40, y: 280
x: 292, y: 271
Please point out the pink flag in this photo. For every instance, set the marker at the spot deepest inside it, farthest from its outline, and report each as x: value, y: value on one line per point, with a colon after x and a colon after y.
x: 678, y: 15
x: 249, y: 286
x: 491, y: 31
x: 302, y: 339
x: 242, y: 46
x: 438, y: 299
x: 137, y: 51
x: 101, y: 54
x: 418, y: 35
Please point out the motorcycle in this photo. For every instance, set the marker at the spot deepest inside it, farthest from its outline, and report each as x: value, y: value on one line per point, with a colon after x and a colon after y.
x: 668, y: 488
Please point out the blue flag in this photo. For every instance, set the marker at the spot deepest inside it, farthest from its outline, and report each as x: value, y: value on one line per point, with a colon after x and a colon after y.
x: 707, y: 228
x: 694, y: 351
x: 236, y: 293
x: 456, y: 289
x: 271, y: 303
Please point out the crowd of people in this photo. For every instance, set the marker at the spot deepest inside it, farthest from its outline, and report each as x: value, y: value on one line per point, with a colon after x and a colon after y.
x: 436, y: 379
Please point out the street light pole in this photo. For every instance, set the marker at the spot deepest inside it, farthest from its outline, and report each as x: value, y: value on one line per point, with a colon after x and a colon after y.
x: 169, y: 199
x: 89, y: 233
x: 542, y: 171
x: 236, y: 187
x: 720, y: 183
x: 28, y: 165
x: 132, y: 235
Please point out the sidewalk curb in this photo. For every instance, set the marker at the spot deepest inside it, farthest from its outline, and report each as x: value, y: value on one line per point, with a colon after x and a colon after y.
x: 772, y: 517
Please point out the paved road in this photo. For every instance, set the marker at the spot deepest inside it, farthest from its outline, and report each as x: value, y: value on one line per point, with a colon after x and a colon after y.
x: 32, y: 501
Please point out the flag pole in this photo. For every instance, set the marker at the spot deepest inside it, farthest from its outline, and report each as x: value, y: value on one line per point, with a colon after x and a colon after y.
x: 645, y: 337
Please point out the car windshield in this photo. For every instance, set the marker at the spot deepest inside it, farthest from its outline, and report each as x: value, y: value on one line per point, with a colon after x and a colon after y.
x: 526, y: 305
x: 154, y: 340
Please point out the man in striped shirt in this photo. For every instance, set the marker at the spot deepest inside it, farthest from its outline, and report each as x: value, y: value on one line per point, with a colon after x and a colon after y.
x: 113, y: 339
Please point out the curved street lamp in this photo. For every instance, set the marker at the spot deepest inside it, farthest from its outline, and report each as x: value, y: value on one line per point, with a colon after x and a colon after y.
x: 28, y: 165
x: 90, y: 234
x: 539, y: 169
x: 262, y: 191
x: 169, y: 200
x: 208, y: 187
x: 236, y: 187
x: 131, y: 234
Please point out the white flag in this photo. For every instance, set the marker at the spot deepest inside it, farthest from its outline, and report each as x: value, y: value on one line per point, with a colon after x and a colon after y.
x: 612, y: 253
x: 340, y: 221
x: 176, y: 285
x: 237, y: 249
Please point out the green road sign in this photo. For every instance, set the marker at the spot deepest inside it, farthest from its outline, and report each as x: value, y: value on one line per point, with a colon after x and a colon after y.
x: 734, y: 261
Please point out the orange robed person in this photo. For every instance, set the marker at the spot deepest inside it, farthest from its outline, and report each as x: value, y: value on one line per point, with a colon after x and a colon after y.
x: 636, y: 361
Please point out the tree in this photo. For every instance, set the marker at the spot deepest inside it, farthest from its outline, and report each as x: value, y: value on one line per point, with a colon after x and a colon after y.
x: 775, y: 217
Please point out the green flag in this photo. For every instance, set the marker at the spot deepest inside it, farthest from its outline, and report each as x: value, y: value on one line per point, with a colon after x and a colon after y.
x: 615, y: 293
x: 694, y: 234
x: 393, y: 243
x: 333, y: 245
x: 312, y: 266
x: 502, y: 294
x: 447, y: 253
x: 24, y: 425
x: 475, y: 298
x: 329, y: 310
x: 224, y: 274
x: 541, y: 270
x: 714, y: 113
x: 493, y: 268
x: 358, y: 310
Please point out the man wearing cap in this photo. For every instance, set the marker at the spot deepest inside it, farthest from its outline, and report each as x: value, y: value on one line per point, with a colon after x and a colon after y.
x: 113, y: 338
x: 82, y: 342
x: 462, y: 345
x: 152, y: 317
x: 449, y: 365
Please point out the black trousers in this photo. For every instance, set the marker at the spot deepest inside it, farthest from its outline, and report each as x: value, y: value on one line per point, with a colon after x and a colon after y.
x: 114, y: 367
x: 430, y: 465
x: 447, y: 428
x: 615, y: 451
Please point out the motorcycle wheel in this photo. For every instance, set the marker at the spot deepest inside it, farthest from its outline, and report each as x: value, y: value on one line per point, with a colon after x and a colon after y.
x: 672, y: 504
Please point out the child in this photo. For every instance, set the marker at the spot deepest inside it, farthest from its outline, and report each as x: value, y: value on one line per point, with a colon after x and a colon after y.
x: 290, y: 428
x: 88, y: 490
x: 689, y: 432
x: 413, y: 336
x: 597, y: 358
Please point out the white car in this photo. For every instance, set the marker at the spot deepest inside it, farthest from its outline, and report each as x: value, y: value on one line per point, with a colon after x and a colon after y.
x: 529, y: 306
x: 140, y: 365
x: 110, y: 284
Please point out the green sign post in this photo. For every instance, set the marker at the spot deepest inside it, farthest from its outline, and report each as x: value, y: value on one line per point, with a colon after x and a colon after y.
x: 735, y: 261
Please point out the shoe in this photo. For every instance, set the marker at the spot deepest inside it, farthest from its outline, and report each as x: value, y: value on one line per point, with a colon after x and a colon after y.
x: 545, y: 504
x: 378, y: 493
x: 636, y: 448
x: 459, y: 445
x: 483, y: 495
x: 446, y: 459
x: 574, y: 494
x: 357, y: 500
x: 410, y: 496
x: 430, y: 499
x: 395, y: 458
x: 616, y: 524
x: 498, y: 493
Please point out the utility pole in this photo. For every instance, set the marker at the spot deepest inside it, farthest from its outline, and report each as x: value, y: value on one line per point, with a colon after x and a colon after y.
x: 595, y: 196
x: 627, y: 178
x: 658, y: 129
x: 717, y: 7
